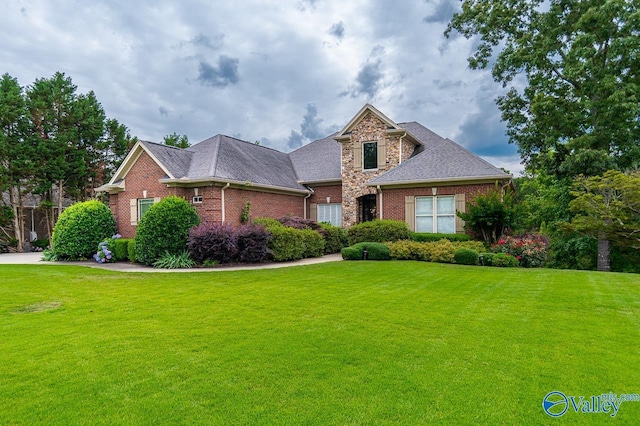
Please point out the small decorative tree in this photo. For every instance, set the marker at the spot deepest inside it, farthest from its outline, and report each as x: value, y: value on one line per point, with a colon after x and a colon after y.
x: 490, y: 215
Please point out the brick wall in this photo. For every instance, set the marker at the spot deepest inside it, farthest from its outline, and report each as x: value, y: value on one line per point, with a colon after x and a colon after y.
x: 393, y: 200
x: 143, y: 176
x: 263, y: 204
x: 321, y: 193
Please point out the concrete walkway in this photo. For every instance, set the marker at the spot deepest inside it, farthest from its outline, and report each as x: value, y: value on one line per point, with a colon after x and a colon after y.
x: 35, y: 259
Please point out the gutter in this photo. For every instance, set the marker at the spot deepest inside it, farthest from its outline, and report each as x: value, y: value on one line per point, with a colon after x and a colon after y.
x: 222, y: 200
x: 441, y: 180
x: 379, y: 190
x: 245, y: 184
x: 305, y: 202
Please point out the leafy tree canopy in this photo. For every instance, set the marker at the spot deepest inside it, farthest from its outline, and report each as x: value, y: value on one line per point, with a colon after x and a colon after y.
x: 572, y: 71
x: 179, y: 141
x: 608, y: 206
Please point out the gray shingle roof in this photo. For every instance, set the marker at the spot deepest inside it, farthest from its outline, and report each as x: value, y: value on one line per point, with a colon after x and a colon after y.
x: 226, y: 158
x: 438, y: 159
x: 175, y: 160
x: 318, y: 161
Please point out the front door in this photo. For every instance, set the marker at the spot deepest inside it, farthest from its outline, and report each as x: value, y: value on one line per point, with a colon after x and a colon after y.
x: 367, y: 208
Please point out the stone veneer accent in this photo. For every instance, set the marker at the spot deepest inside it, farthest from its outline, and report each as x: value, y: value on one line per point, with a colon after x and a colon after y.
x: 369, y: 129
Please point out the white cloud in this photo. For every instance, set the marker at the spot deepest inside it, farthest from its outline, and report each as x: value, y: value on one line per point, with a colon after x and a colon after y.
x: 252, y: 68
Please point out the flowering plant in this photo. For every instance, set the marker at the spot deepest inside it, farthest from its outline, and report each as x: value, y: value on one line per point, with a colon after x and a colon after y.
x: 105, y: 250
x: 530, y: 250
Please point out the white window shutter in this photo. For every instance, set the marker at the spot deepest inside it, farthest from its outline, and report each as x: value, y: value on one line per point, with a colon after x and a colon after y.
x: 382, y: 154
x: 313, y: 212
x: 133, y: 207
x: 357, y: 155
x: 410, y: 212
x: 461, y: 206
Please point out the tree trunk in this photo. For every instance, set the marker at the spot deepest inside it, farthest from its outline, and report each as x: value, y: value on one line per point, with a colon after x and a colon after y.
x: 16, y: 204
x: 604, y: 255
x: 59, y: 201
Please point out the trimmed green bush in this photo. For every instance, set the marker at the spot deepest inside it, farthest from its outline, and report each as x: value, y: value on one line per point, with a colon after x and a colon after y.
x: 431, y: 237
x: 334, y: 238
x: 487, y: 259
x: 121, y: 248
x: 379, y: 231
x: 268, y: 222
x: 504, y: 260
x: 465, y: 256
x: 164, y: 229
x: 375, y: 251
x: 80, y: 228
x: 286, y: 244
x: 410, y: 250
x: 131, y: 250
x: 313, y: 243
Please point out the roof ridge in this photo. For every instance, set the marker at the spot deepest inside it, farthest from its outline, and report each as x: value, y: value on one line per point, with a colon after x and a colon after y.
x: 252, y: 143
x: 166, y: 146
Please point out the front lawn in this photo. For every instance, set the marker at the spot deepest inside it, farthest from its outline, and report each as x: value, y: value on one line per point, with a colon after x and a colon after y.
x: 341, y: 343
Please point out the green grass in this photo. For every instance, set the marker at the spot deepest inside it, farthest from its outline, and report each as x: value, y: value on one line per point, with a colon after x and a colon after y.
x: 344, y: 343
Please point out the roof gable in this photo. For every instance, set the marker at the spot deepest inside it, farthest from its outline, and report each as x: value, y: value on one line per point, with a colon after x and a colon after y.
x: 170, y: 159
x: 368, y: 108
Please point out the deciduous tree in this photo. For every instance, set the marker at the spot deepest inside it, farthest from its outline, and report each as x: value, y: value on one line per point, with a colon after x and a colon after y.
x: 572, y: 71
x: 608, y: 208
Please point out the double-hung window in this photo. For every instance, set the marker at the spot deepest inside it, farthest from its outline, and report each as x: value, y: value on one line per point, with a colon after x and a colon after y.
x: 143, y: 206
x: 436, y: 214
x: 330, y: 213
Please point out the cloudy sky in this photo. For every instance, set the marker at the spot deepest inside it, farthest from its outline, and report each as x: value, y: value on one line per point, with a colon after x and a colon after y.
x: 282, y: 72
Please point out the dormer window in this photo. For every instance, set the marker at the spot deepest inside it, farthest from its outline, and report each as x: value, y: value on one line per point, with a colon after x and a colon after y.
x: 370, y: 155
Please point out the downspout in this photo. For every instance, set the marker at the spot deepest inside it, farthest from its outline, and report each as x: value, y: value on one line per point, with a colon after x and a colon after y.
x: 401, y: 146
x: 305, y: 201
x: 222, y: 199
x: 379, y: 190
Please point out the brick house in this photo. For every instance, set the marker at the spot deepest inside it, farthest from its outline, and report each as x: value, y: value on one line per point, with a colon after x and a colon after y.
x: 373, y: 168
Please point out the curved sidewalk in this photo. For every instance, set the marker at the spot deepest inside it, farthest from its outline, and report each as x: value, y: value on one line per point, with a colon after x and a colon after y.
x: 34, y: 259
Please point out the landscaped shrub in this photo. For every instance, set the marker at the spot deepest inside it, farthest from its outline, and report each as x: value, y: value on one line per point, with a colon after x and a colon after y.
x: 131, y: 251
x: 379, y: 231
x: 104, y: 255
x: 465, y: 256
x: 174, y: 261
x: 80, y: 228
x: 442, y: 251
x: 334, y: 238
x: 486, y: 259
x: 432, y: 237
x: 530, y: 250
x: 298, y: 223
x: 471, y: 245
x: 313, y: 243
x: 40, y: 245
x: 286, y: 244
x: 409, y: 250
x: 121, y: 248
x: 164, y: 229
x: 251, y: 243
x: 375, y: 251
x: 267, y: 222
x: 504, y: 260
x: 212, y: 241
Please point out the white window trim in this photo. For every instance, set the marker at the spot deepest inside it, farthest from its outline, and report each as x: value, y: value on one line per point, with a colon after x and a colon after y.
x: 435, y: 214
x: 363, y: 151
